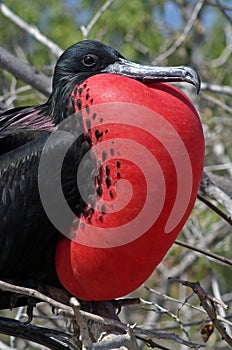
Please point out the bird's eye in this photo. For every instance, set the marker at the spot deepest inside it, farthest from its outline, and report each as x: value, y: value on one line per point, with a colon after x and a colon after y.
x: 90, y: 60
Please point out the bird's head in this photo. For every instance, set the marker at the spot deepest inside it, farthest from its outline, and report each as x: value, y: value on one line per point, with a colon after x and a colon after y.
x: 90, y: 57
x: 82, y: 60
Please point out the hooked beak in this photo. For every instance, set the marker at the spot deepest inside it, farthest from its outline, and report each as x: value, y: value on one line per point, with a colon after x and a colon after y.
x: 154, y: 74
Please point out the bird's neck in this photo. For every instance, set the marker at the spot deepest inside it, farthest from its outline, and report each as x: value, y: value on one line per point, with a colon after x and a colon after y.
x: 59, y: 102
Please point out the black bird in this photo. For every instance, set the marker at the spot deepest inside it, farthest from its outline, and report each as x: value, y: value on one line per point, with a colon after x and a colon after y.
x: 27, y: 237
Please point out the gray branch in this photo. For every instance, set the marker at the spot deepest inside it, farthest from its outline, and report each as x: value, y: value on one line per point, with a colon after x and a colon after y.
x: 218, y: 188
x: 32, y: 30
x: 24, y: 71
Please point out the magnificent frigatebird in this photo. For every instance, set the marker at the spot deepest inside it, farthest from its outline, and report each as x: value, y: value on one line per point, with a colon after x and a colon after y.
x: 28, y: 239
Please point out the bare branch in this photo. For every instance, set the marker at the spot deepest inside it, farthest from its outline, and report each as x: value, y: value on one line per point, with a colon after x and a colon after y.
x: 227, y: 49
x: 166, y: 297
x: 86, y: 29
x: 217, y: 102
x: 68, y: 311
x: 169, y: 313
x: 223, y: 57
x: 204, y: 252
x: 221, y: 309
x: 227, y: 218
x: 209, y: 303
x: 81, y: 322
x: 113, y: 341
x: 25, y: 72
x: 225, y: 6
x: 222, y: 89
x: 217, y: 231
x: 219, y: 189
x: 182, y: 37
x: 55, y: 49
x: 223, y: 11
x: 223, y: 166
x: 31, y: 293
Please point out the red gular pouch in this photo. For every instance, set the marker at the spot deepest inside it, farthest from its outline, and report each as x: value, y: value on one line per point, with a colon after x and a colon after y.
x: 148, y: 147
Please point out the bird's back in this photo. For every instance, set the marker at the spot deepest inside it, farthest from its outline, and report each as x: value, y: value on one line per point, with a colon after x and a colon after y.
x: 22, y: 217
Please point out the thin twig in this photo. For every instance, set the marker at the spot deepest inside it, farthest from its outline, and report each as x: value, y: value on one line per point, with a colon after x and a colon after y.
x: 182, y: 37
x: 221, y: 310
x: 204, y: 252
x: 223, y: 10
x: 34, y: 31
x: 167, y: 297
x: 223, y: 166
x: 221, y: 89
x: 86, y: 29
x: 161, y: 309
x: 227, y: 7
x: 208, y: 303
x: 151, y: 344
x: 224, y: 56
x: 216, y: 232
x: 227, y: 218
x: 217, y: 102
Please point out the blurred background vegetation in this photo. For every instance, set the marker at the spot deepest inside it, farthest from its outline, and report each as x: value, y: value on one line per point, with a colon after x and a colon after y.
x: 183, y: 32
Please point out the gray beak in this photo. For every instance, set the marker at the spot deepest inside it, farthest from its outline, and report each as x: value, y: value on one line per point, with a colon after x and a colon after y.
x: 154, y: 74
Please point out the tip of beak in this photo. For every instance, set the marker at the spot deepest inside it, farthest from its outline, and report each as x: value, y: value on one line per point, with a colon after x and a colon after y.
x: 192, y: 77
x: 198, y: 87
x: 197, y: 83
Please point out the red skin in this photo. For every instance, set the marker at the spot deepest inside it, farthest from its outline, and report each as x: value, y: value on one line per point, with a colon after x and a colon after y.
x: 96, y: 273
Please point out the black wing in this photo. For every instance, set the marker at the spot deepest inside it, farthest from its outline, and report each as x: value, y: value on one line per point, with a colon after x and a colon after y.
x: 24, y: 228
x: 27, y: 237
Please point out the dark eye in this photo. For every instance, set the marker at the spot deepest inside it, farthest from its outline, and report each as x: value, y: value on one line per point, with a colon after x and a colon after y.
x: 89, y: 60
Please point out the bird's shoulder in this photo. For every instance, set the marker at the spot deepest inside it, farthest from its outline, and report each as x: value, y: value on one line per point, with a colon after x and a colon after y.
x: 21, y: 125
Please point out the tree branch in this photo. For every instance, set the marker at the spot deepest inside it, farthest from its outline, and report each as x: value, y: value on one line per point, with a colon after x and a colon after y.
x: 222, y: 89
x: 204, y: 252
x: 25, y: 72
x: 209, y: 303
x: 55, y: 49
x: 223, y: 10
x: 86, y: 29
x: 182, y: 37
x: 220, y: 189
x: 217, y: 102
x: 68, y: 311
